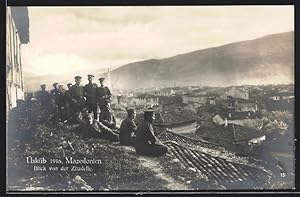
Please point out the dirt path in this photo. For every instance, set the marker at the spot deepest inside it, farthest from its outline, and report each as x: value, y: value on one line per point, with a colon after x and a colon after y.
x: 152, y: 164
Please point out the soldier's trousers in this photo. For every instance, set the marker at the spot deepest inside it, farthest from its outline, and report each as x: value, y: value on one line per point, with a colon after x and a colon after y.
x: 155, y: 150
x: 92, y: 107
x: 102, y: 131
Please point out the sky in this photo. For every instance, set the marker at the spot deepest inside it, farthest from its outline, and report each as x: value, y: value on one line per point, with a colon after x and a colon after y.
x: 81, y: 40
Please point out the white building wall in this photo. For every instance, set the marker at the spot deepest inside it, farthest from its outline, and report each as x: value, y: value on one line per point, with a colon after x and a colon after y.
x: 14, y: 78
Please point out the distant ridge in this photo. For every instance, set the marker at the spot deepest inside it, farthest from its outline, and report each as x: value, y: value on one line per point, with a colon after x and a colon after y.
x: 269, y: 59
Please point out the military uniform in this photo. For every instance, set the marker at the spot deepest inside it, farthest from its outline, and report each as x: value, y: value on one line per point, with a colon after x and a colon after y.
x: 76, y: 98
x: 95, y: 129
x: 68, y: 102
x: 58, y: 96
x: 108, y: 119
x: 127, y: 130
x: 43, y: 98
x: 146, y: 142
x: 90, y: 92
x: 104, y: 96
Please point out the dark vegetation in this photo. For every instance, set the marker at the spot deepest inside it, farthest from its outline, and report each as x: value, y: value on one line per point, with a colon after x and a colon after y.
x: 119, y: 170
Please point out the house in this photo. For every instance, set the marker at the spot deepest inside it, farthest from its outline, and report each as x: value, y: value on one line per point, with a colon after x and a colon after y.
x: 212, y: 99
x: 17, y: 33
x: 218, y: 119
x: 287, y: 96
x: 234, y: 137
x: 241, y: 105
x: 133, y: 101
x: 246, y: 119
x: 164, y: 92
x: 170, y: 103
x: 198, y: 92
x: 236, y: 92
x: 198, y: 99
x: 143, y: 100
x: 194, y: 101
x: 230, y: 102
x: 121, y: 100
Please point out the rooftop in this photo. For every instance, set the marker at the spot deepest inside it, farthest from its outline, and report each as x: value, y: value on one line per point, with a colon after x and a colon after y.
x: 241, y: 115
x: 21, y: 19
x: 236, y: 133
x: 214, y: 163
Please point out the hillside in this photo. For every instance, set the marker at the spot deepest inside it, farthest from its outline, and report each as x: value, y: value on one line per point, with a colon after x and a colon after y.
x: 269, y: 59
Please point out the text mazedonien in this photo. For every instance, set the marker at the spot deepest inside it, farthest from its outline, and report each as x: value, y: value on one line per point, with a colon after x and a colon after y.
x: 71, y: 160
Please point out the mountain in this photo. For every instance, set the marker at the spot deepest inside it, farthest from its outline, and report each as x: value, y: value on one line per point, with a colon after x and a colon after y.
x: 269, y: 59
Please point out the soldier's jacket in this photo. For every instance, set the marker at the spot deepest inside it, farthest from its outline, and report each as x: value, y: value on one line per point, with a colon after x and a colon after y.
x: 128, y: 127
x: 76, y: 92
x: 43, y: 97
x: 144, y: 134
x: 103, y: 92
x: 67, y: 97
x: 90, y: 92
x: 96, y: 129
x: 76, y: 95
x: 55, y: 92
x: 58, y: 95
x: 108, y: 119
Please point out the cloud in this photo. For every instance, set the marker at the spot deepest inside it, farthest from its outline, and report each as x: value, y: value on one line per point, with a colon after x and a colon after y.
x: 115, y: 15
x: 81, y: 38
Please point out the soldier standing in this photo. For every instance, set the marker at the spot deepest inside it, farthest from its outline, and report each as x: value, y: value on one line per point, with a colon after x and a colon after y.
x: 90, y: 93
x: 76, y: 96
x: 43, y: 97
x: 60, y: 98
x: 56, y: 94
x: 68, y: 100
x: 146, y: 142
x: 67, y: 95
x: 103, y: 94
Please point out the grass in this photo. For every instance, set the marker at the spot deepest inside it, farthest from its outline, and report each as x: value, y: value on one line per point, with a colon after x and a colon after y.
x: 119, y: 170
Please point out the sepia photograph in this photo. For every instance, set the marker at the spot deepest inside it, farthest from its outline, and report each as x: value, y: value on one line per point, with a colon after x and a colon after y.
x: 150, y: 98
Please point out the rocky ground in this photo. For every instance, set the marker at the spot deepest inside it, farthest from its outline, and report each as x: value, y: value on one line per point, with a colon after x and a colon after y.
x: 121, y: 168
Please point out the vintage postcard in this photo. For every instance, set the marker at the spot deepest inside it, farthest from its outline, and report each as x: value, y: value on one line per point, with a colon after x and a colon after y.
x: 160, y: 98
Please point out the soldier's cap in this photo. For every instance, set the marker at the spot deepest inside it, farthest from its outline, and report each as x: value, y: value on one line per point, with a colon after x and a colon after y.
x: 77, y: 77
x: 90, y: 75
x: 55, y: 84
x: 101, y: 78
x: 130, y: 110
x: 43, y: 85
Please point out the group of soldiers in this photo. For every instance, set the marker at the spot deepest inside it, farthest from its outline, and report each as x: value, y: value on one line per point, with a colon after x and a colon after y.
x: 76, y: 98
x: 80, y: 104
